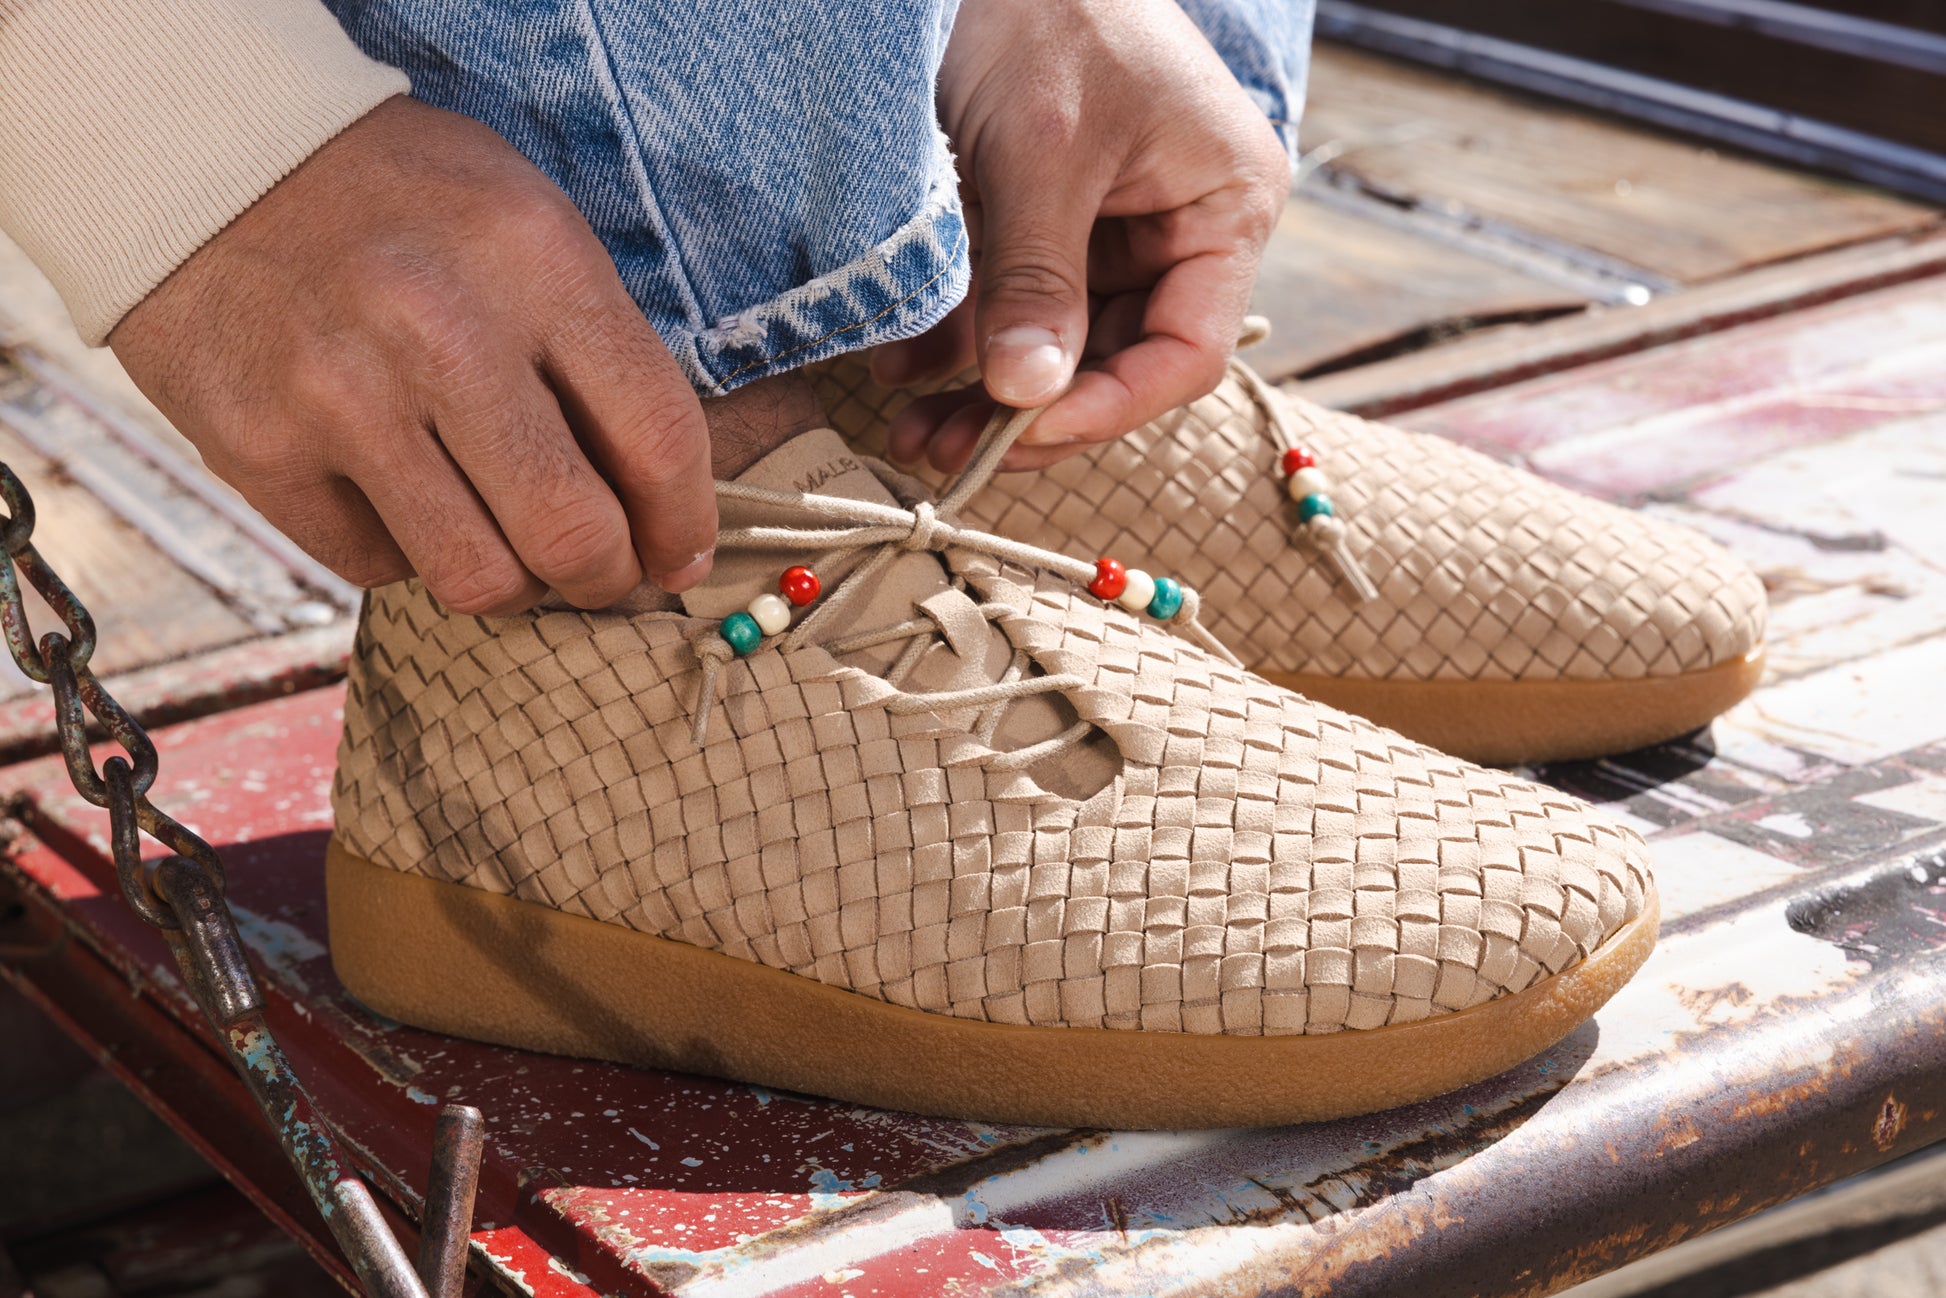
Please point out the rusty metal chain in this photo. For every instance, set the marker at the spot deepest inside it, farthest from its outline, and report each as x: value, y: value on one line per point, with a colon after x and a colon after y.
x: 183, y: 896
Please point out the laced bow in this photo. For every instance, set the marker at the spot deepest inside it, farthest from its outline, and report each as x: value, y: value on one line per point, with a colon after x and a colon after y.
x: 893, y: 531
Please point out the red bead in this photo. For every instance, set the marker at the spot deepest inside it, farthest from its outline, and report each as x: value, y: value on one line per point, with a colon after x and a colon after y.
x: 1298, y: 458
x: 1111, y: 579
x: 800, y: 585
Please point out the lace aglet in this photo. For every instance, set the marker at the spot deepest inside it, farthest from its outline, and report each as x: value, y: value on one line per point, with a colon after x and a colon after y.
x: 712, y: 652
x: 1328, y: 533
x: 1220, y: 649
x: 1189, y: 616
x: 1353, y: 572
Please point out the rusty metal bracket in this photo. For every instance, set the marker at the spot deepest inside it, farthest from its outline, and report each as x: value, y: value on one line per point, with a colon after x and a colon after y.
x: 182, y: 895
x: 457, y: 1144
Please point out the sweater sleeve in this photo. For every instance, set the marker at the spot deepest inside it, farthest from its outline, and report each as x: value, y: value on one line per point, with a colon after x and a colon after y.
x: 131, y: 131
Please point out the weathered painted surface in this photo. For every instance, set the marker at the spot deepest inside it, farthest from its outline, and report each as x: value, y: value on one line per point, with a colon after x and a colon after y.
x: 210, y: 682
x: 1689, y: 417
x: 1790, y: 1030
x: 1496, y: 358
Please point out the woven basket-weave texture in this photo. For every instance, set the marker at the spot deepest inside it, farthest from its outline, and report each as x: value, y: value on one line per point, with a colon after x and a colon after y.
x: 1260, y: 865
x: 1484, y: 571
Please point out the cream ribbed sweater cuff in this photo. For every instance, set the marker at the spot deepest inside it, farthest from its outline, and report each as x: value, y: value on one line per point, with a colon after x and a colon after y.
x: 133, y: 130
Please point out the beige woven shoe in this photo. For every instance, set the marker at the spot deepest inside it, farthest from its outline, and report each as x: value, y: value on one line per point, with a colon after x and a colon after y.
x: 955, y: 836
x: 1507, y: 619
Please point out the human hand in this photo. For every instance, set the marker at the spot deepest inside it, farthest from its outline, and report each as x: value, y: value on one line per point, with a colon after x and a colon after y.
x: 413, y: 356
x: 1119, y: 188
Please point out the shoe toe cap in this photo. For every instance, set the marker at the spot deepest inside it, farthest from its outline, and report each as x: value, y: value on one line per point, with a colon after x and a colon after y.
x: 1467, y: 885
x: 1306, y: 871
x: 1489, y: 572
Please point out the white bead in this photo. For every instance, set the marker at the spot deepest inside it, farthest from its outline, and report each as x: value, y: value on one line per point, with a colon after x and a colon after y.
x: 773, y: 613
x: 1308, y: 482
x: 1139, y: 591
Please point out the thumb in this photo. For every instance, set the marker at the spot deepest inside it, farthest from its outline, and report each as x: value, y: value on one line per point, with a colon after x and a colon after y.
x: 1032, y: 310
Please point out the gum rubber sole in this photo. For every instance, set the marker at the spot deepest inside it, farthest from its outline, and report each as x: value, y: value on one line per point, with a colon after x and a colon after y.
x: 474, y: 964
x: 1499, y: 723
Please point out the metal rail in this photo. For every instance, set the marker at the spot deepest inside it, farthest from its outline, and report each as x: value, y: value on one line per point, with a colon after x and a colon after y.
x: 1821, y: 29
x: 1771, y: 132
x: 181, y: 895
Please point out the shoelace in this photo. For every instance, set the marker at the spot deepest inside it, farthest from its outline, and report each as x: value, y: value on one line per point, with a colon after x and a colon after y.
x: 1325, y: 531
x: 894, y: 531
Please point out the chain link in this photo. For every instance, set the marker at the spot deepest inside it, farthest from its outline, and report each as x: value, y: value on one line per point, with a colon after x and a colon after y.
x: 182, y: 895
x: 16, y: 536
x: 61, y: 661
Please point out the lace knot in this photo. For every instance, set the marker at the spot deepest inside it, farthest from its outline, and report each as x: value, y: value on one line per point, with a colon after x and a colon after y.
x: 925, y: 527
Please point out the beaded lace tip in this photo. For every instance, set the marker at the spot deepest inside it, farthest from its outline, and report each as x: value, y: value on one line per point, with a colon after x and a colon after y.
x: 1317, y: 514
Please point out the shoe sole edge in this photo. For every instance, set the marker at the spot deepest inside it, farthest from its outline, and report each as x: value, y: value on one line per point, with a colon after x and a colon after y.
x: 1502, y: 723
x: 453, y: 959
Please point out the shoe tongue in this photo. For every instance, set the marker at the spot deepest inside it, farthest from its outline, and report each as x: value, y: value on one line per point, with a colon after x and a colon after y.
x: 967, y: 652
x: 914, y: 585
x: 817, y: 463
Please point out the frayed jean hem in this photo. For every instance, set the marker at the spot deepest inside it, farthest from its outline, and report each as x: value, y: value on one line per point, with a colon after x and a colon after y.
x: 899, y: 289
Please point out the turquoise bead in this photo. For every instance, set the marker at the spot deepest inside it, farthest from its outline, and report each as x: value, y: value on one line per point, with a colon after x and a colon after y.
x: 743, y: 633
x: 1168, y: 599
x: 1312, y: 505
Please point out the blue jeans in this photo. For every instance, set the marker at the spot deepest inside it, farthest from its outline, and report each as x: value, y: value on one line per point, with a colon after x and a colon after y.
x: 770, y: 178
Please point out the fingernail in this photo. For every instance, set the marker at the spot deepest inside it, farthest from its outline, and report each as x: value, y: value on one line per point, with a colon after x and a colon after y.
x: 1025, y: 365
x: 1034, y: 437
x: 684, y: 577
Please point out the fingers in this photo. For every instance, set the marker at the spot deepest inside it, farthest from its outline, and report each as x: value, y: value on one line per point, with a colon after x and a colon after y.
x: 354, y: 477
x: 642, y: 423
x: 504, y: 430
x: 1186, y: 332
x: 941, y: 352
x: 335, y: 524
x: 444, y: 530
x: 940, y: 427
x: 1031, y: 313
x: 912, y: 429
x: 944, y: 427
x: 1162, y: 325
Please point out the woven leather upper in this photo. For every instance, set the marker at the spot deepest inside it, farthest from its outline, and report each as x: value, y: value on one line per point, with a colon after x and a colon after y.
x: 1260, y: 864
x: 1485, y: 572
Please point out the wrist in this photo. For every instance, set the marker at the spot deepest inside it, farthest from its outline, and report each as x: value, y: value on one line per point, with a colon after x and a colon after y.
x: 135, y: 131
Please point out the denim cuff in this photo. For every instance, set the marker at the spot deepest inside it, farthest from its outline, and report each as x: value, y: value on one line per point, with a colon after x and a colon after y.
x: 899, y: 288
